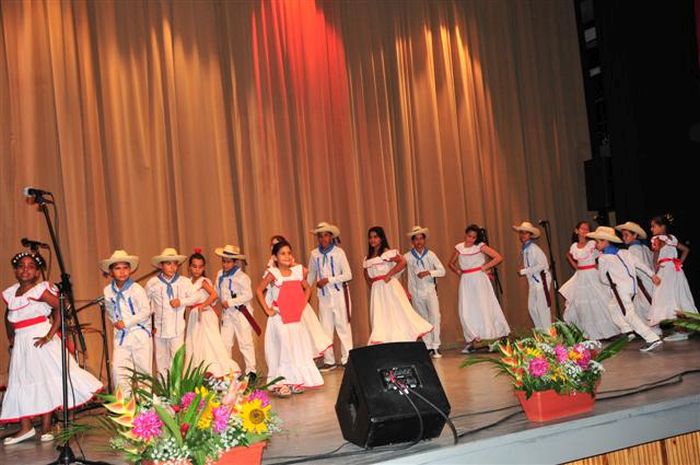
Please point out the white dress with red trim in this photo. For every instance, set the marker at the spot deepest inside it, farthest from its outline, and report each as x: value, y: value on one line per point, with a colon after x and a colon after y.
x: 203, y: 338
x: 673, y: 294
x: 289, y: 352
x: 391, y: 313
x: 586, y: 296
x: 34, y: 382
x: 479, y: 311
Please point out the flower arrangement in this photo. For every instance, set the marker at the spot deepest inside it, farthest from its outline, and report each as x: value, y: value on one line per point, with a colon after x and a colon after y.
x: 560, y: 359
x: 187, y: 416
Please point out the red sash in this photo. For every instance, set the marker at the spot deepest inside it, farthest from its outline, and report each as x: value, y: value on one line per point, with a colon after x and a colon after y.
x: 471, y: 270
x: 676, y: 262
x: 377, y: 278
x: 586, y: 267
x: 29, y: 322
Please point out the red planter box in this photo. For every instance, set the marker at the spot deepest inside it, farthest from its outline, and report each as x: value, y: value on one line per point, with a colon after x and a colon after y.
x: 548, y: 405
x: 237, y: 456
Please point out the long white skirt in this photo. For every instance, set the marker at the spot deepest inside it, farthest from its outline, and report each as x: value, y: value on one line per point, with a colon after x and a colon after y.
x: 671, y: 296
x: 587, y: 305
x: 34, y: 382
x: 290, y: 354
x: 392, y: 315
x: 204, y: 344
x: 479, y: 311
x: 319, y: 339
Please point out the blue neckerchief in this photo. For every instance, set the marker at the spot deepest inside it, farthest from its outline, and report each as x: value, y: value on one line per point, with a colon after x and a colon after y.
x: 525, y: 245
x: 325, y: 252
x: 227, y: 274
x: 611, y: 250
x: 419, y: 258
x: 119, y: 295
x: 319, y: 265
x: 169, y: 290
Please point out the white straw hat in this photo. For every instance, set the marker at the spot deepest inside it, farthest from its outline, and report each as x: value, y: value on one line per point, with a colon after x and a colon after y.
x: 168, y: 255
x: 230, y: 251
x: 119, y: 256
x: 632, y: 227
x: 606, y: 233
x: 326, y: 227
x: 528, y: 227
x: 418, y: 230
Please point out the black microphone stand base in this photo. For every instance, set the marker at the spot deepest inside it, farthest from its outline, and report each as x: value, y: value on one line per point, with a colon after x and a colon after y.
x: 67, y: 457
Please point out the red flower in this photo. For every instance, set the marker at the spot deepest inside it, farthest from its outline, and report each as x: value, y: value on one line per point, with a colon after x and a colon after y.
x: 183, y: 429
x: 176, y: 408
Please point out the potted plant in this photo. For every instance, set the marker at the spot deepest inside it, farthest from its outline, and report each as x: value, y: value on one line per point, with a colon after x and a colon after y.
x: 554, y: 373
x: 188, y: 417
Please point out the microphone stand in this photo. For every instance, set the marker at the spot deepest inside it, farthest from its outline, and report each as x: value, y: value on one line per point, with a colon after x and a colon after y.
x: 496, y: 280
x: 65, y: 292
x: 553, y: 268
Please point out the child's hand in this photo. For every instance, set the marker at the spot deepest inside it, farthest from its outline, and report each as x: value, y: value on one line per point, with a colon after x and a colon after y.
x: 42, y: 341
x: 387, y: 278
x: 423, y: 274
x: 322, y: 283
x: 269, y: 311
x: 175, y: 303
x: 224, y: 304
x: 522, y: 272
x: 119, y: 325
x: 656, y: 280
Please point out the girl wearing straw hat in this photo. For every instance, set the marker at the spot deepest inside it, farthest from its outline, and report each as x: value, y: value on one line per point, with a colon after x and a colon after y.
x: 586, y: 297
x: 673, y: 295
x: 169, y: 295
x: 130, y: 313
x: 536, y: 269
x: 618, y: 269
x: 632, y: 236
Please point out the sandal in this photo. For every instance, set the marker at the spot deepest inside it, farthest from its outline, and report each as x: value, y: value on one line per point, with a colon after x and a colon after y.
x: 297, y: 389
x: 282, y: 391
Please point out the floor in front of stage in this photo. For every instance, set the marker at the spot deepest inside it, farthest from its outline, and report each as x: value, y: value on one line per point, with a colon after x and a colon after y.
x: 311, y: 428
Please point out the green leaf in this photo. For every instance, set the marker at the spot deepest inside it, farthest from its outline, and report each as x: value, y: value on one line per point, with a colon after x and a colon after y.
x: 613, y: 348
x: 169, y: 423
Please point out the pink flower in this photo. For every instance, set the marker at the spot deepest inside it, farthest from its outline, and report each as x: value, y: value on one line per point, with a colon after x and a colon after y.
x: 561, y: 353
x: 262, y: 395
x: 220, y: 418
x: 585, y: 359
x: 187, y: 399
x: 147, y: 425
x: 538, y: 366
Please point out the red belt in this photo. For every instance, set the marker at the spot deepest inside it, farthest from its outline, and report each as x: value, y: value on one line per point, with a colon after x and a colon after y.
x: 29, y: 322
x: 675, y: 261
x: 471, y: 270
x: 586, y: 267
x: 378, y: 278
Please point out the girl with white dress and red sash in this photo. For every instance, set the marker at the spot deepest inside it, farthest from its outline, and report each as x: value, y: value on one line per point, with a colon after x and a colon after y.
x: 34, y: 382
x: 289, y: 352
x: 391, y: 314
x: 479, y: 311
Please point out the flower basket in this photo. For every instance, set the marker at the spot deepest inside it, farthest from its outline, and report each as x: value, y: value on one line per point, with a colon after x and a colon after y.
x: 251, y: 455
x: 550, y: 405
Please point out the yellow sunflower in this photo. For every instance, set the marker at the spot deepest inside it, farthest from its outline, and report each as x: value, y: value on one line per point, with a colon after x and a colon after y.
x: 255, y: 416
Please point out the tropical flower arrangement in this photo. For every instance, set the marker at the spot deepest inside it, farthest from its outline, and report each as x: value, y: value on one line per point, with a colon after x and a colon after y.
x: 187, y: 417
x: 560, y: 359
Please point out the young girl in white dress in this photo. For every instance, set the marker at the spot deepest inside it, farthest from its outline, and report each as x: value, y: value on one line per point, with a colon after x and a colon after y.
x: 319, y: 339
x: 289, y: 352
x: 34, y: 381
x: 632, y: 236
x: 479, y: 311
x: 391, y: 313
x: 586, y: 296
x: 673, y: 295
x: 203, y: 340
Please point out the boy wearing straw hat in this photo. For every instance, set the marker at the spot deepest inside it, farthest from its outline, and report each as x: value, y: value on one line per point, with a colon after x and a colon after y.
x: 130, y: 313
x: 536, y: 269
x: 235, y: 294
x: 329, y: 271
x: 618, y: 269
x: 632, y: 235
x: 424, y: 267
x: 169, y: 294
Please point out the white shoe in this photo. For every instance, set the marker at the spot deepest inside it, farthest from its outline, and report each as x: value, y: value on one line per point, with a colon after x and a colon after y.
x: 47, y: 437
x: 649, y: 346
x: 435, y: 353
x: 676, y: 337
x: 17, y: 439
x: 631, y: 336
x: 467, y: 349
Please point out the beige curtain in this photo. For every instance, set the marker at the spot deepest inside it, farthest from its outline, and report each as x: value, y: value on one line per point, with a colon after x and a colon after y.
x: 203, y: 123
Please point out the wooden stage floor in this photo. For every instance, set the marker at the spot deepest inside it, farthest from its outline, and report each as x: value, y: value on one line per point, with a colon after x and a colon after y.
x: 310, y: 425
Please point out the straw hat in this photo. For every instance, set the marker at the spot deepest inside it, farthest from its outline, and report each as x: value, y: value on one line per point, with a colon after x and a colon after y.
x: 606, y: 233
x: 632, y: 227
x: 230, y: 251
x: 168, y: 255
x: 326, y: 227
x: 528, y: 227
x: 418, y: 230
x: 119, y: 256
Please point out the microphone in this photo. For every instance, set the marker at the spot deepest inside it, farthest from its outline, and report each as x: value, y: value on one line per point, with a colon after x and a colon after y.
x: 30, y: 244
x: 30, y: 191
x: 542, y: 222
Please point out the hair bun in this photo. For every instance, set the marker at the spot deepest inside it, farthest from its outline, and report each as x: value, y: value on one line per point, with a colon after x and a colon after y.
x: 198, y: 250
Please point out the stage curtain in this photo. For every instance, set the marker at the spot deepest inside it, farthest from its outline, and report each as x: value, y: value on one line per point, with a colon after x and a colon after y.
x: 196, y: 124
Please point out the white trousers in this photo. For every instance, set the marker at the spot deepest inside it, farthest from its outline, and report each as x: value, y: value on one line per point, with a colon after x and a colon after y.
x: 630, y: 321
x: 334, y: 317
x: 234, y: 326
x: 134, y: 352
x: 428, y: 306
x: 537, y: 306
x: 165, y: 350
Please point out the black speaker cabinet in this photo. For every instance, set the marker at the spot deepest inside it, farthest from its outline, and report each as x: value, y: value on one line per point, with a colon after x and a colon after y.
x: 371, y: 413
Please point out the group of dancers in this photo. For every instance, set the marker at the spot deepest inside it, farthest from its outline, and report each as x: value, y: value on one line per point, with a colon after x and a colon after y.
x: 614, y: 290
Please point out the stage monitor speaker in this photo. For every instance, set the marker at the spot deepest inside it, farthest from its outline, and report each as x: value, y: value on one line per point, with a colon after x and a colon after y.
x: 372, y: 413
x: 599, y: 184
